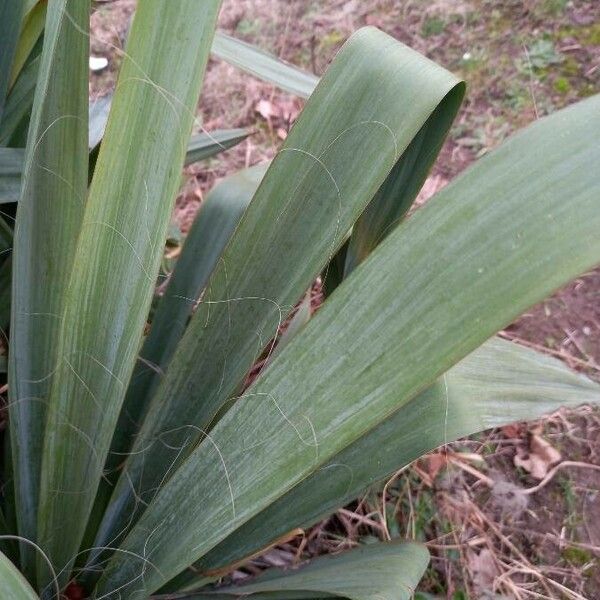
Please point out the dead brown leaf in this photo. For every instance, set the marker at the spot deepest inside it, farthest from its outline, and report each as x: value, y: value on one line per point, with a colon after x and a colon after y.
x: 540, y: 457
x: 267, y: 109
x: 484, y: 571
x: 514, y: 430
x: 435, y: 462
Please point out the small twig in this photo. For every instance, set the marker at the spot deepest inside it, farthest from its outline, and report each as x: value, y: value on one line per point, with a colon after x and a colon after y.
x: 531, y: 79
x: 570, y: 335
x: 361, y: 519
x: 383, y: 499
x: 411, y: 515
x: 554, y: 538
x: 591, y: 71
x: 570, y: 48
x: 552, y: 473
x: 503, y: 539
x: 562, y: 355
x: 476, y: 541
x: 469, y: 469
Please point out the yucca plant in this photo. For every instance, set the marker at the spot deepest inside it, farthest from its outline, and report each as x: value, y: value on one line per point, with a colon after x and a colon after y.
x: 138, y: 464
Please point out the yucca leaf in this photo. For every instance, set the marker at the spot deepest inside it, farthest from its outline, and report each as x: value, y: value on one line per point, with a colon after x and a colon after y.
x: 376, y: 95
x: 50, y: 210
x: 217, y: 219
x: 263, y: 65
x: 214, y: 225
x: 295, y: 325
x: 116, y: 259
x: 29, y: 5
x: 98, y: 113
x: 7, y: 542
x: 395, y: 197
x: 200, y: 146
x: 12, y: 584
x: 5, y: 294
x: 20, y: 100
x: 392, y: 202
x: 6, y: 236
x: 10, y: 26
x: 499, y: 383
x: 11, y: 165
x: 205, y: 145
x: 384, y: 571
x: 431, y: 293
x: 34, y: 21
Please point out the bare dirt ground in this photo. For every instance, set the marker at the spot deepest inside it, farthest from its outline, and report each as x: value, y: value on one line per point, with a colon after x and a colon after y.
x: 497, y: 526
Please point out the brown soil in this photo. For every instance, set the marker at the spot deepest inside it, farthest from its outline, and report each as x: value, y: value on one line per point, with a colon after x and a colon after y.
x: 568, y: 324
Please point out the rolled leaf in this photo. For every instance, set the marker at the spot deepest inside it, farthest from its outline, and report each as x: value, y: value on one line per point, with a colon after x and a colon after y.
x: 396, y: 196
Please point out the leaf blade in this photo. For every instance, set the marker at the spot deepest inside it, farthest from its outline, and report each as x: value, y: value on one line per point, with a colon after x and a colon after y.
x: 49, y: 214
x: 308, y: 199
x: 20, y: 100
x: 385, y: 571
x: 497, y: 384
x: 34, y: 19
x: 13, y: 584
x: 205, y: 145
x: 217, y: 219
x: 117, y: 252
x: 11, y: 164
x: 263, y: 65
x: 430, y: 313
x: 10, y: 25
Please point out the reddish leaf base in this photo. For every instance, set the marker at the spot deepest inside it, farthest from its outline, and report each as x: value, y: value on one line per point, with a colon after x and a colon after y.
x: 74, y: 592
